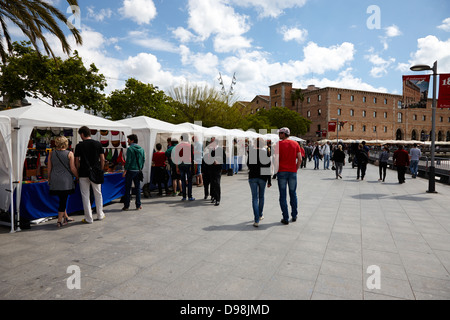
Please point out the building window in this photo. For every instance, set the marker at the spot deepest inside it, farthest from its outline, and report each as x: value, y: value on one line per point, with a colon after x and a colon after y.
x: 385, y: 101
x: 352, y: 98
x: 319, y: 112
x: 374, y: 100
x: 309, y: 114
x: 441, y: 119
x: 339, y: 112
x: 352, y: 113
x: 375, y: 129
x: 399, y: 104
x: 385, y: 115
x: 364, y: 113
x: 364, y: 128
x: 276, y: 104
x: 352, y: 128
x: 364, y: 99
x: 339, y: 97
x: 319, y: 97
x: 385, y: 129
x: 424, y: 118
x: 374, y: 114
x: 400, y: 117
x: 308, y: 100
x: 415, y: 117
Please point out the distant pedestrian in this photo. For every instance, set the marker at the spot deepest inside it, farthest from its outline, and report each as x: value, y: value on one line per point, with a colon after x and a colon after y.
x: 176, y: 182
x: 383, y: 163
x: 184, y: 161
x: 415, y: 155
x: 89, y: 157
x: 217, y: 160
x: 317, y: 155
x: 362, y: 158
x: 289, y: 161
x: 303, y: 152
x: 259, y: 174
x: 61, y: 173
x: 401, y: 161
x: 326, y: 151
x: 198, y: 157
x: 134, y: 164
x: 160, y: 171
x: 339, y: 161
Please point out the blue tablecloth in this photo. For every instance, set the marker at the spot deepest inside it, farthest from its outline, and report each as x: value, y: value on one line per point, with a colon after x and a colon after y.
x: 36, y: 201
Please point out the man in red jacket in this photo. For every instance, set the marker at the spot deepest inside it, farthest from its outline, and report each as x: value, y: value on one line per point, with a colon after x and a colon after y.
x: 401, y: 161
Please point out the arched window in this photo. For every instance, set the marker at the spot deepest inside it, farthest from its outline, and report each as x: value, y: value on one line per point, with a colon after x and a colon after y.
x: 414, y: 135
x: 399, y: 135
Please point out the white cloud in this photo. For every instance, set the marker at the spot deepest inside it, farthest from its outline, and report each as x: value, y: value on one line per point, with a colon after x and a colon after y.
x: 295, y: 34
x: 215, y: 18
x: 393, y: 31
x: 380, y: 65
x: 445, y: 25
x: 270, y: 8
x: 140, y: 11
x: 204, y: 63
x: 183, y: 35
x: 431, y: 49
x: 98, y: 16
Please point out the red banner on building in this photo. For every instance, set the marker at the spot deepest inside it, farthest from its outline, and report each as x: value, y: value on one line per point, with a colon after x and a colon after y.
x: 444, y: 91
x: 415, y: 91
x: 332, y: 126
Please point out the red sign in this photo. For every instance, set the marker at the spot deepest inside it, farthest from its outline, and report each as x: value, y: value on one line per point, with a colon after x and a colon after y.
x: 332, y: 126
x: 444, y: 91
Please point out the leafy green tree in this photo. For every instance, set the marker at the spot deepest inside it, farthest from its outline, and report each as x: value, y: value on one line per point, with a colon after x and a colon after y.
x: 139, y: 99
x: 35, y: 18
x: 66, y: 83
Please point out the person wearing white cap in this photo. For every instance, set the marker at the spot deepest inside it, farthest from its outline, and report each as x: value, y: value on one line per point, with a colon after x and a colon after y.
x: 289, y: 159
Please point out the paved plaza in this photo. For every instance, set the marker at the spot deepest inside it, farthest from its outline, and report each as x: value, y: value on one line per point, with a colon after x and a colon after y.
x: 353, y: 240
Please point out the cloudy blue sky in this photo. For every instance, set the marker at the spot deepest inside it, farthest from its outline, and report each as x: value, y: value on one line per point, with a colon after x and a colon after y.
x: 355, y: 44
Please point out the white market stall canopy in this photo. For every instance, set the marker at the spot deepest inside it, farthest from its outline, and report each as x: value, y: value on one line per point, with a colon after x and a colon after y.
x: 6, y: 171
x: 25, y: 119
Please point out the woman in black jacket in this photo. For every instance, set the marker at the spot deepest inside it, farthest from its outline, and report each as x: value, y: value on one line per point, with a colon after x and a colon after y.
x: 339, y: 161
x: 259, y: 175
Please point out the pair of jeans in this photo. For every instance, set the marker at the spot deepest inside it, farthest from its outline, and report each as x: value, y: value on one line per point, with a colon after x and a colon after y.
x: 326, y: 161
x: 361, y: 171
x: 316, y: 162
x: 339, y: 167
x: 383, y: 167
x: 413, y: 167
x: 130, y: 177
x: 258, y: 187
x: 285, y: 180
x: 236, y: 165
x: 186, y: 174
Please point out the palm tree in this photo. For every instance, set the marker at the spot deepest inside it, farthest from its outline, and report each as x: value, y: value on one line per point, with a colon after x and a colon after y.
x: 34, y: 17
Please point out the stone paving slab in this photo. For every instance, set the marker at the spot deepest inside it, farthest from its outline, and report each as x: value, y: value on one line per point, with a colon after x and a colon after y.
x: 173, y: 250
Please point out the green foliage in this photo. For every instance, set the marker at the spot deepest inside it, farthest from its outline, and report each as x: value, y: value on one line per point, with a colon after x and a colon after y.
x: 139, y: 99
x: 67, y: 83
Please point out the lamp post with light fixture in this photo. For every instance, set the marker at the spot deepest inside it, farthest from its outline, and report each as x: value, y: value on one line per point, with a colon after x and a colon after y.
x: 432, y: 170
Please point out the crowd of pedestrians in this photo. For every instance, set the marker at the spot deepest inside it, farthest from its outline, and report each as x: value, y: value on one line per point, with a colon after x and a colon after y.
x: 186, y: 160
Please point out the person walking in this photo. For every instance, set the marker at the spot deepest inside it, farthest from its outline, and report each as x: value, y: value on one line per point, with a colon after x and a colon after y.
x: 339, y: 161
x: 184, y: 160
x: 89, y: 157
x: 289, y: 159
x: 383, y: 163
x: 401, y: 161
x: 134, y: 164
x: 415, y: 155
x: 259, y: 174
x: 362, y: 159
x: 176, y: 182
x: 198, y: 156
x: 326, y: 151
x: 159, y: 166
x: 217, y: 159
x: 316, y: 154
x: 61, y: 173
x: 303, y: 152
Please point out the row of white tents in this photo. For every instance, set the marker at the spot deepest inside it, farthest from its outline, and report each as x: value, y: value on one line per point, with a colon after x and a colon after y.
x: 16, y: 126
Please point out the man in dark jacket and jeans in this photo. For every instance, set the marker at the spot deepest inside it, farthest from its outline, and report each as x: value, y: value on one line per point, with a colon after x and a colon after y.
x: 401, y: 161
x: 133, y: 165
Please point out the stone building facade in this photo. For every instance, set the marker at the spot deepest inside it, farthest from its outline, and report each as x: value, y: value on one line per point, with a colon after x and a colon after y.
x: 362, y: 114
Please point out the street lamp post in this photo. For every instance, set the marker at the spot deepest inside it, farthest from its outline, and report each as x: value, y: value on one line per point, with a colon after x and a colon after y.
x: 337, y: 129
x: 432, y: 175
